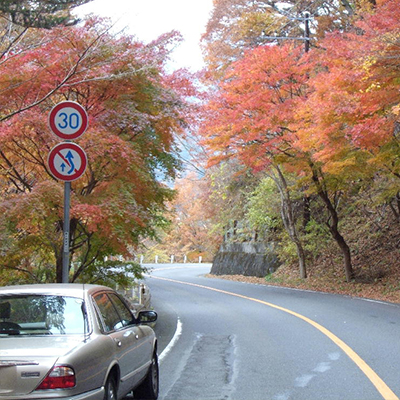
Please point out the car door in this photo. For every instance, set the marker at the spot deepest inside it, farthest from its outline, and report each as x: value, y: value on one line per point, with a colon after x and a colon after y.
x: 127, y: 337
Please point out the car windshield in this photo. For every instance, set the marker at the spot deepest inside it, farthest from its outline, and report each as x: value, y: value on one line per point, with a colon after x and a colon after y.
x: 41, y: 315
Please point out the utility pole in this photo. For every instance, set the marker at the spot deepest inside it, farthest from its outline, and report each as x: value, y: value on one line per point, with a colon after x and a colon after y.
x: 307, y: 32
x: 306, y: 36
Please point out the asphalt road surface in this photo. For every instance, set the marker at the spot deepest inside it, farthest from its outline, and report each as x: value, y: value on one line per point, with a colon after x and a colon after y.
x: 223, y: 340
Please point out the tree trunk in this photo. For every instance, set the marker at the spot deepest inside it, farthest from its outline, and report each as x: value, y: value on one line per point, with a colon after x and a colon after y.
x: 333, y: 225
x: 348, y: 267
x: 59, y: 267
x: 306, y: 211
x: 396, y: 206
x: 289, y: 219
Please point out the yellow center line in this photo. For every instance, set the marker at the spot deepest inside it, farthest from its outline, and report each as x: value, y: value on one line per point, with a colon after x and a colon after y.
x: 379, y: 384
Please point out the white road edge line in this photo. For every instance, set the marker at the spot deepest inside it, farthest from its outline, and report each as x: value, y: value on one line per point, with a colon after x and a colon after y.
x: 173, y: 341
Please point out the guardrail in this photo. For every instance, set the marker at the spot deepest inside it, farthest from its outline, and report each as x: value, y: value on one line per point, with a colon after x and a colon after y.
x: 173, y: 259
x: 139, y: 296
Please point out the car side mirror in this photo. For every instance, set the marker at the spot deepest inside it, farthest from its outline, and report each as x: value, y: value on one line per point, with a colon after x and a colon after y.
x: 146, y: 317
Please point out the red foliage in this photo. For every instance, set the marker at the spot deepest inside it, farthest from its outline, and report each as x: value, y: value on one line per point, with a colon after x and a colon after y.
x: 135, y: 112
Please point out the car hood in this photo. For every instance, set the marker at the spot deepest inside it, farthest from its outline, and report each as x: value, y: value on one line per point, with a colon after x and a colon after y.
x: 25, y: 361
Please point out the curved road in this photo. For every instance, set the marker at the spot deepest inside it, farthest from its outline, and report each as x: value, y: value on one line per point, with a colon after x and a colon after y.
x: 236, y: 341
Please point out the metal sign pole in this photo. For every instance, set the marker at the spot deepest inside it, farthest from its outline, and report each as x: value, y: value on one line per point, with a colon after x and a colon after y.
x: 67, y: 161
x: 65, y: 265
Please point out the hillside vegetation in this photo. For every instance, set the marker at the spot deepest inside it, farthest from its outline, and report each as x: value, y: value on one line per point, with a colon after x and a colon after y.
x: 376, y: 257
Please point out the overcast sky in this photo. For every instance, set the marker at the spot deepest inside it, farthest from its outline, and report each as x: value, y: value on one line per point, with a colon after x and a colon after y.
x: 148, y: 19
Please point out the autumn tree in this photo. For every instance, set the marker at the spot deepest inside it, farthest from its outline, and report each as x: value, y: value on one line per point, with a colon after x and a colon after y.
x: 283, y: 112
x: 249, y: 117
x: 350, y: 122
x: 135, y: 113
x: 19, y: 21
x: 191, y: 233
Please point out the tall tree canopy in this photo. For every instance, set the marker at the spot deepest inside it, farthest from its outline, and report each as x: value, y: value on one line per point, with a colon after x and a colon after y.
x: 135, y: 110
x: 350, y: 121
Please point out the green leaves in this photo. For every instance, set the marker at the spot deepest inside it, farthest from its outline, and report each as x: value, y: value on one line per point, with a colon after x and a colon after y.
x: 40, y: 13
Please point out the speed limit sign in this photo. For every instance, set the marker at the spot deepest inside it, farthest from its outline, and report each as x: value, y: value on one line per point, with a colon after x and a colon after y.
x: 68, y: 120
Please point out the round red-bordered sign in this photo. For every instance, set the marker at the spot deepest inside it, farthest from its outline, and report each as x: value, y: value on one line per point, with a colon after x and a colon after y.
x: 67, y: 161
x: 68, y: 120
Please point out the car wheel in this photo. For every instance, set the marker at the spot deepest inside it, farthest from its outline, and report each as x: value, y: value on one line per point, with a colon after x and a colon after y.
x: 110, y: 389
x: 148, y: 389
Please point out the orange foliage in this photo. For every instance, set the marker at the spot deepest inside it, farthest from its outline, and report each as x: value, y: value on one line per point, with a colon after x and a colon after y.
x: 250, y: 114
x: 340, y: 98
x: 190, y: 231
x: 355, y: 90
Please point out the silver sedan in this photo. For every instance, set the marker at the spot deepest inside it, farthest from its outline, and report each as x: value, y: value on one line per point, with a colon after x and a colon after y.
x: 75, y: 342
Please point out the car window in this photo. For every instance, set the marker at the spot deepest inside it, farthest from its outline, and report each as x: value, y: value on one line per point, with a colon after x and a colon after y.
x: 41, y: 315
x: 112, y: 312
x: 123, y: 310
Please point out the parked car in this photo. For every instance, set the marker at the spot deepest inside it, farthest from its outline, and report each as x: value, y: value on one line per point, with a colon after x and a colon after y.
x: 74, y: 342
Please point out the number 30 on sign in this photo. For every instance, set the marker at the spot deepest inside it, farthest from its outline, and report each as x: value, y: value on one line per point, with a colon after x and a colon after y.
x: 68, y: 120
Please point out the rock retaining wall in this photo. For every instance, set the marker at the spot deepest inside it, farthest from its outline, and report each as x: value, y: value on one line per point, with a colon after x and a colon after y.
x: 249, y: 259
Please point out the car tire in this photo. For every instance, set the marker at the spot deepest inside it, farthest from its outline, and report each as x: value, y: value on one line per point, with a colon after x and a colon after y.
x: 148, y: 389
x: 110, y: 389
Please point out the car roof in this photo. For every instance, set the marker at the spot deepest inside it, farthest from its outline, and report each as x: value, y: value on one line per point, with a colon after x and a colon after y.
x: 62, y: 289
